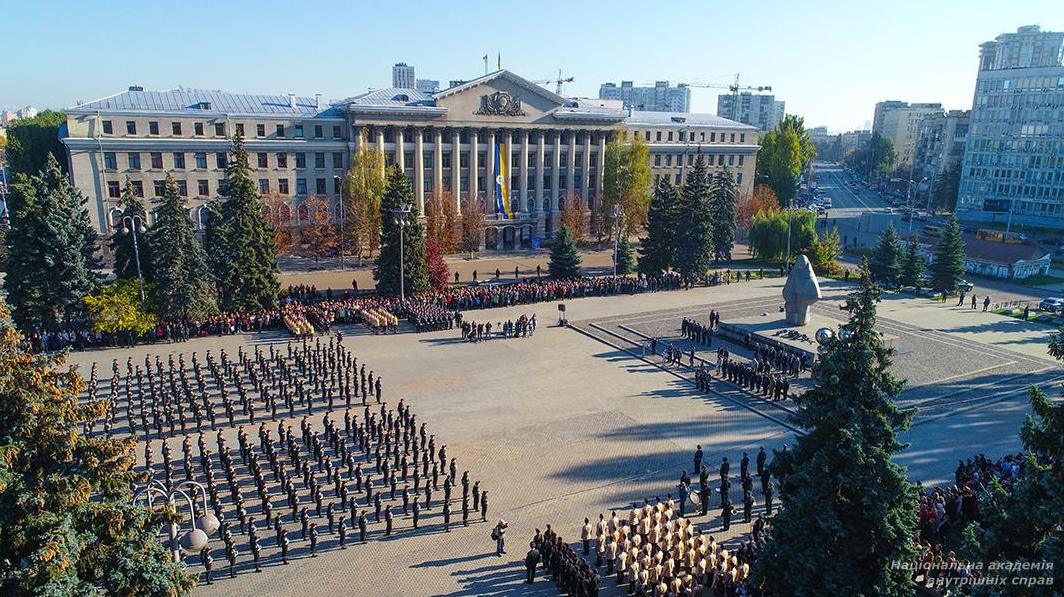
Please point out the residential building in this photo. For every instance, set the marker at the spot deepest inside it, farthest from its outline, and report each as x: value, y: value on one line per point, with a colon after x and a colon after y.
x: 899, y: 124
x: 1013, y: 169
x: 403, y: 75
x: 659, y: 98
x: 756, y: 109
x: 500, y: 139
x: 940, y: 141
x: 882, y: 108
x: 427, y: 85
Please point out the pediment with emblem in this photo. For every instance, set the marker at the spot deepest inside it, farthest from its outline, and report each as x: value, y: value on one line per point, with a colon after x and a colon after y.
x: 504, y: 98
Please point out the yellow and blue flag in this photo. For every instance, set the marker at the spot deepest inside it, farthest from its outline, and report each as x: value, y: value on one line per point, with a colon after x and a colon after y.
x: 502, y: 181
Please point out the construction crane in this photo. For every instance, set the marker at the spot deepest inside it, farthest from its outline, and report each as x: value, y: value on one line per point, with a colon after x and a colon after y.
x: 735, y: 88
x: 557, y: 82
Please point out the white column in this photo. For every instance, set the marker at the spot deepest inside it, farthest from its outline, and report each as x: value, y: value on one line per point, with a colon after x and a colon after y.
x: 419, y: 169
x: 541, y: 162
x: 572, y: 163
x: 400, y: 154
x: 437, y: 162
x: 380, y: 143
x: 474, y: 164
x: 509, y: 157
x: 456, y: 168
x: 600, y: 168
x: 489, y: 175
x: 585, y: 177
x: 522, y: 183
x: 556, y: 172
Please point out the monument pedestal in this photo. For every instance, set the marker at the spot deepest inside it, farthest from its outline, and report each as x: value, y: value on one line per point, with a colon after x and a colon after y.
x: 772, y: 329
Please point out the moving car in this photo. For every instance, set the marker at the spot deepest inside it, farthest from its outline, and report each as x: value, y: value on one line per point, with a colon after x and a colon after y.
x: 1053, y: 304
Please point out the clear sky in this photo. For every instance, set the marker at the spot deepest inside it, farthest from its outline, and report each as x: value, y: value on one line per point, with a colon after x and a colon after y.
x: 829, y: 60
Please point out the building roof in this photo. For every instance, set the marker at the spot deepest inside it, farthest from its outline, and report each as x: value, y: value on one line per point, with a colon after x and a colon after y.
x: 1003, y: 253
x: 185, y: 100
x: 647, y: 118
x: 391, y: 96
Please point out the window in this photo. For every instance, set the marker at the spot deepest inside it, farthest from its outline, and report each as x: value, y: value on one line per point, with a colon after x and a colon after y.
x: 138, y: 188
x: 319, y: 186
x: 677, y: 178
x: 263, y: 161
x: 742, y: 137
x: 153, y: 127
x: 282, y: 160
x: 260, y: 130
x: 733, y: 137
x: 179, y: 160
x: 336, y: 185
x: 668, y: 160
x: 197, y: 129
x: 175, y: 128
x: 741, y: 160
x: 319, y: 160
x: 670, y: 136
x: 659, y: 136
x: 201, y: 160
x: 648, y: 135
x: 408, y: 159
x: 219, y: 129
x: 657, y: 160
x: 446, y: 159
x: 301, y: 186
x: 204, y: 188
x: 160, y: 188
x: 220, y: 159
x: 110, y: 162
x: 738, y: 178
x: 318, y: 131
x: 336, y: 132
x: 108, y: 128
x: 301, y: 160
x: 713, y: 137
x: 282, y: 186
x: 731, y: 160
x: 338, y: 160
x: 720, y: 160
x: 690, y: 159
x: 280, y: 130
x: 683, y: 135
x: 131, y: 127
x: 240, y: 129
x: 298, y: 133
x: 134, y: 161
x: 113, y: 189
x: 264, y: 185
x: 182, y: 188
x: 702, y: 136
x: 156, y: 160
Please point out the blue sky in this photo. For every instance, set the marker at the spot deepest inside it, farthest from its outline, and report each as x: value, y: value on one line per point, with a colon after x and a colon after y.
x: 830, y: 61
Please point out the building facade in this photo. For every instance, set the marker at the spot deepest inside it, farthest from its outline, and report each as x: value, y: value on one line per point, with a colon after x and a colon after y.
x: 659, y: 98
x: 1013, y: 170
x: 403, y: 75
x: 900, y: 124
x: 759, y: 110
x: 940, y: 141
x: 501, y: 139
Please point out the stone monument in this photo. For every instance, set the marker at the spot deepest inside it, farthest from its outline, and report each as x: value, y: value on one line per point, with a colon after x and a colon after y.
x: 800, y: 292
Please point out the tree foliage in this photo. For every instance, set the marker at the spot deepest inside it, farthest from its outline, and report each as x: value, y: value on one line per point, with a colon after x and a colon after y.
x: 763, y: 199
x: 876, y: 155
x: 564, y: 259
x: 386, y: 272
x: 117, y: 308
x: 441, y: 221
x: 694, y: 224
x: 947, y: 268
x: 825, y: 251
x: 574, y: 217
x: 658, y: 250
x: 67, y: 526
x: 785, y: 150
x: 912, y: 265
x: 472, y: 224
x: 318, y: 236
x: 51, y: 250
x: 278, y: 212
x: 439, y: 272
x: 365, y: 184
x: 240, y: 242
x: 184, y: 288
x: 885, y: 263
x: 125, y: 253
x: 625, y: 259
x: 850, y: 511
x: 722, y: 209
x: 31, y: 140
x: 626, y: 180
x: 768, y: 233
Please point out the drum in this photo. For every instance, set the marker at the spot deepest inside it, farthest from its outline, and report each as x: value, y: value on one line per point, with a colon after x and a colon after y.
x: 695, y: 499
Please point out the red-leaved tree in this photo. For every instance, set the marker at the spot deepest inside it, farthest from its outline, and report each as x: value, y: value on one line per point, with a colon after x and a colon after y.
x: 439, y: 272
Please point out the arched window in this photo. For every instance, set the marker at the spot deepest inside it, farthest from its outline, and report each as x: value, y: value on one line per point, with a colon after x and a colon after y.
x: 546, y: 204
x: 303, y: 213
x: 284, y: 213
x: 531, y: 205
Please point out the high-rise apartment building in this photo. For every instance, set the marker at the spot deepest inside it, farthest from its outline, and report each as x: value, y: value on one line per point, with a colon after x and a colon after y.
x: 1013, y: 168
x: 760, y: 110
x: 899, y: 122
x: 427, y: 85
x: 403, y: 76
x: 659, y: 98
x: 940, y: 141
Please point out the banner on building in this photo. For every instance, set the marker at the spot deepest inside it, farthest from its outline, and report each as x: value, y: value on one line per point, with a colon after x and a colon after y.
x: 502, y: 181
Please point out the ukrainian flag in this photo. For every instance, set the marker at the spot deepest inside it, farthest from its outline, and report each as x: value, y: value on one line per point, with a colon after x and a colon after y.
x: 502, y: 181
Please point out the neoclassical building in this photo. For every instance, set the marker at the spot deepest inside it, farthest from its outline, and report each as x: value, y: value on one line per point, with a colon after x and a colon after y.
x: 517, y: 147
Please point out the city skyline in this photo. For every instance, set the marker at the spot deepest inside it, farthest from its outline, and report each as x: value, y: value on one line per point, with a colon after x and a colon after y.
x: 834, y: 82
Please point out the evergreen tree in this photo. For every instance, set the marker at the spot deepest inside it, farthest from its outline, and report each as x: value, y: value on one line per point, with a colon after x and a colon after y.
x: 694, y: 224
x: 183, y: 289
x: 947, y: 268
x: 625, y: 259
x: 122, y: 243
x: 240, y: 245
x: 850, y: 511
x: 67, y: 526
x: 885, y: 264
x: 912, y: 265
x: 724, y: 213
x: 51, y: 250
x: 415, y: 271
x: 658, y: 251
x: 564, y: 260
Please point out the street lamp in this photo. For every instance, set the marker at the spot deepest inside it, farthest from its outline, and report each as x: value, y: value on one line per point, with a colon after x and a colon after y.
x: 197, y: 537
x: 133, y: 225
x: 616, y: 214
x: 401, y: 215
x: 340, y: 191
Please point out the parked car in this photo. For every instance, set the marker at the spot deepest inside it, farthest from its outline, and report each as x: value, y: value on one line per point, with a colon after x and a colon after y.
x: 932, y: 230
x: 965, y: 286
x: 1053, y: 304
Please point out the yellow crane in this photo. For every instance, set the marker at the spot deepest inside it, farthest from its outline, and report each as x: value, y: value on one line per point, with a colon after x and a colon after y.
x: 557, y: 82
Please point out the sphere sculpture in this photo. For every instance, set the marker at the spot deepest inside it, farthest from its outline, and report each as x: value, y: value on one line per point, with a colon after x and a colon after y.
x: 824, y: 335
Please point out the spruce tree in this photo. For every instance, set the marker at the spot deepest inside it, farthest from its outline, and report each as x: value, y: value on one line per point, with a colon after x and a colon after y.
x: 67, y: 526
x: 240, y: 250
x: 694, y: 224
x: 947, y: 268
x: 725, y: 215
x: 625, y: 259
x: 850, y: 512
x: 564, y: 259
x: 415, y: 270
x: 122, y: 243
x: 51, y: 250
x: 658, y: 250
x: 885, y: 264
x: 184, y: 290
x: 912, y: 265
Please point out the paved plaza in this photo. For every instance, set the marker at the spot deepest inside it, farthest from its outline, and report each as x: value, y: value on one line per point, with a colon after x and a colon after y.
x: 562, y: 425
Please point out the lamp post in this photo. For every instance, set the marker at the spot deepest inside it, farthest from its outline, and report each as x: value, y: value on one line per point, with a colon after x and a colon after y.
x: 340, y: 190
x: 133, y: 225
x: 616, y: 214
x: 400, y: 218
x: 196, y: 538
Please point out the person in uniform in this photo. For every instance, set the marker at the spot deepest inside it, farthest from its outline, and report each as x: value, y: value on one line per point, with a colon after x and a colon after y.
x: 531, y: 559
x: 284, y: 545
x: 208, y: 564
